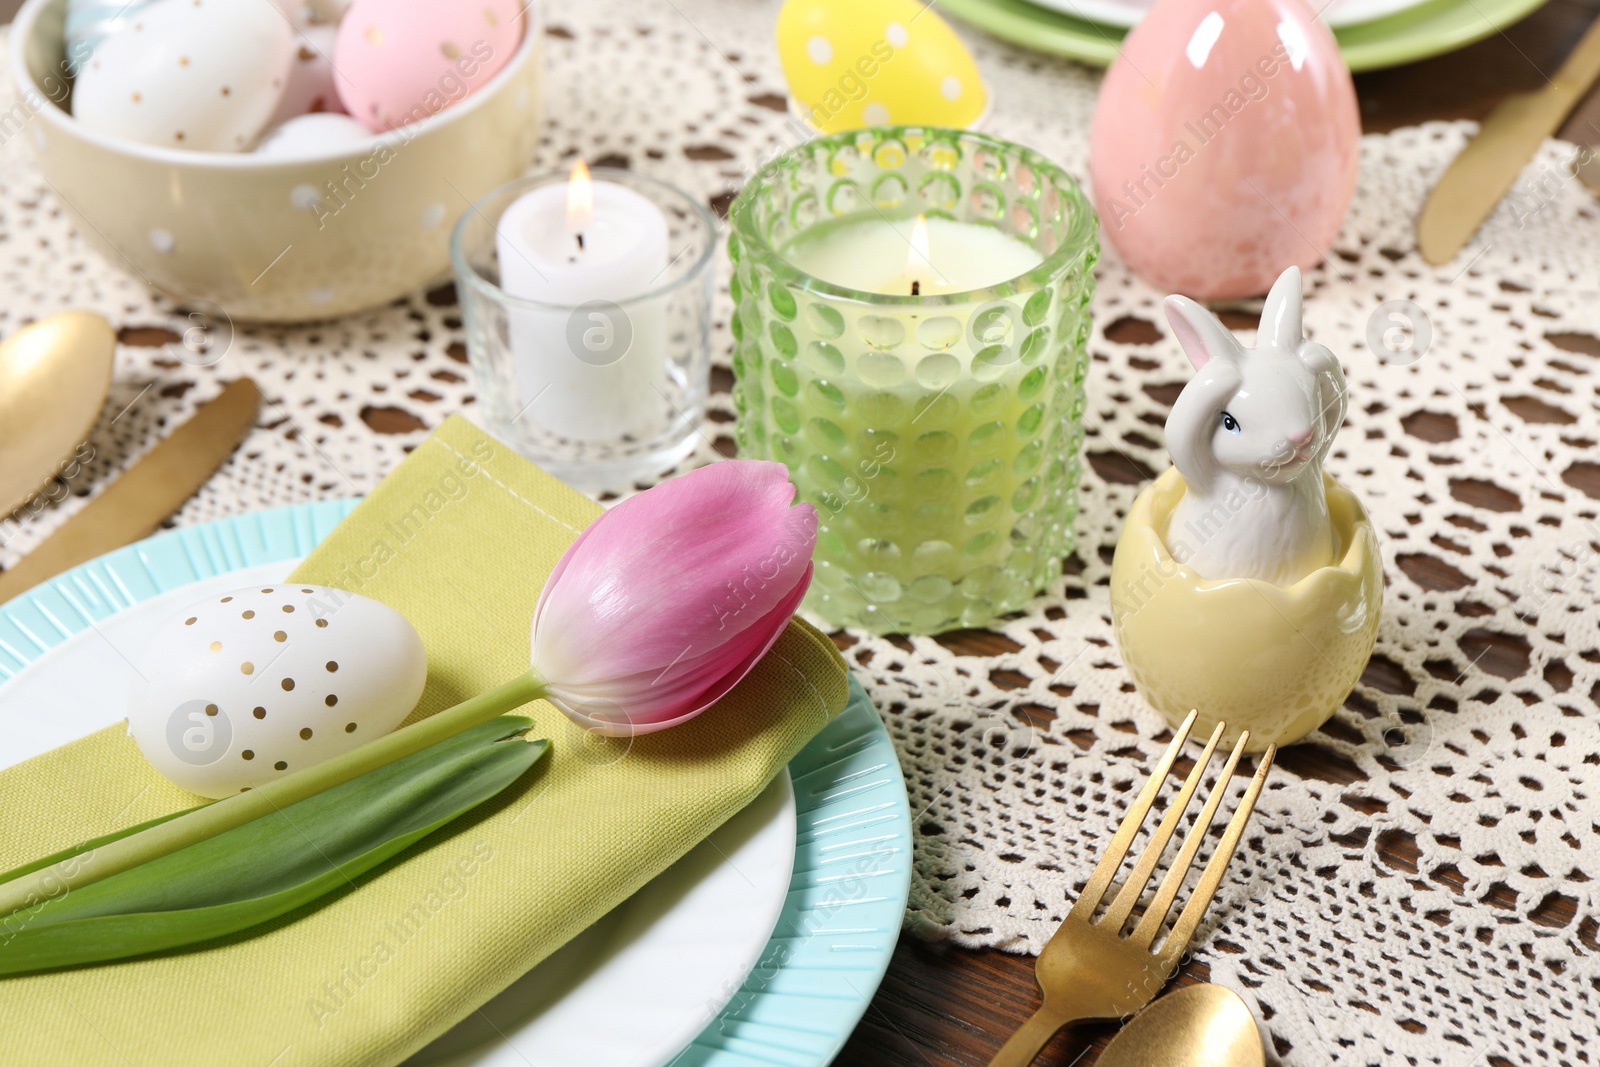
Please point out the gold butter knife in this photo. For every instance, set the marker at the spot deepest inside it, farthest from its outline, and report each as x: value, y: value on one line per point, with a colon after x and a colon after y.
x: 146, y: 493
x: 1488, y: 166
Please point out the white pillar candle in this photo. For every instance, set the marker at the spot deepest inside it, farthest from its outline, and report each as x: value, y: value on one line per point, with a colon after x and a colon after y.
x: 876, y: 255
x: 587, y: 373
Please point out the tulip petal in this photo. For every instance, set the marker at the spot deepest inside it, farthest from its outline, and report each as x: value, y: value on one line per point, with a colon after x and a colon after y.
x: 673, y: 571
x: 667, y: 600
x: 555, y: 574
x: 670, y: 702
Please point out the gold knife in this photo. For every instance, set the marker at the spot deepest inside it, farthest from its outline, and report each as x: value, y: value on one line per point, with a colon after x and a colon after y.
x: 1488, y: 166
x: 146, y: 493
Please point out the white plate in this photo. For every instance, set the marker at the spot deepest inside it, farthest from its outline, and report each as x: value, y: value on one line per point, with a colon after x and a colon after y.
x: 674, y: 954
x: 638, y: 985
x: 1127, y: 13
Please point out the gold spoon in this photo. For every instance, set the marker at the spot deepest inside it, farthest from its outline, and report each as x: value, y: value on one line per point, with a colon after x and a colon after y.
x: 1198, y: 1026
x: 54, y: 377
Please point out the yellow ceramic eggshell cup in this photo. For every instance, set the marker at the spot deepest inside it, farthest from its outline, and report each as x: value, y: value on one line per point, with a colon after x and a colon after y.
x: 851, y: 64
x: 1274, y: 660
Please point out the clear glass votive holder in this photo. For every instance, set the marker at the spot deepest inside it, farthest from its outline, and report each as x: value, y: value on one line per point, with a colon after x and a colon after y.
x: 938, y: 436
x: 605, y: 390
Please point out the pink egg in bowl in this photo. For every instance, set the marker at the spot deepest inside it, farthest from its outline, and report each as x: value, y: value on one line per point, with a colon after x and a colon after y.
x: 399, y: 61
x: 1225, y: 144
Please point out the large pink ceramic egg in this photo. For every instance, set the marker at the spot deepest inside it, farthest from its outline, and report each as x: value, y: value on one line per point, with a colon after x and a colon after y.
x: 1225, y: 145
x: 399, y: 61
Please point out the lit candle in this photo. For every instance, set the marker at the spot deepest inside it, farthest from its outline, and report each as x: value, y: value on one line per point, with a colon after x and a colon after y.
x: 896, y: 257
x: 923, y: 383
x: 587, y: 369
x: 933, y: 394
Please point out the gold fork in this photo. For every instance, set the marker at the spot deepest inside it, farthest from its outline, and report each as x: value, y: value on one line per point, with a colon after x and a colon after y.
x: 1088, y: 970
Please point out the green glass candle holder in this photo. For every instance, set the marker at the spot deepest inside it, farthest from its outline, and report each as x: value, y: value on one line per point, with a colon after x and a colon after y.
x: 939, y: 436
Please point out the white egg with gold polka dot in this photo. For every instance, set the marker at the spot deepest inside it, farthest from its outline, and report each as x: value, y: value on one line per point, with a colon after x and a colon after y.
x: 247, y: 686
x: 205, y: 75
x: 855, y: 63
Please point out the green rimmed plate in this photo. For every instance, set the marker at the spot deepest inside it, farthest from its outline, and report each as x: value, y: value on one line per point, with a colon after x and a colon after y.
x: 1407, y: 36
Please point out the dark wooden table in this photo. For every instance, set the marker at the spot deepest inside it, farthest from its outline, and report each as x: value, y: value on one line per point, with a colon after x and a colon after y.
x: 941, y: 1005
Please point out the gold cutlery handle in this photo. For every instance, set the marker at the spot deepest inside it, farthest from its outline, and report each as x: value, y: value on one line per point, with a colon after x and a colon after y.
x: 1030, y: 1037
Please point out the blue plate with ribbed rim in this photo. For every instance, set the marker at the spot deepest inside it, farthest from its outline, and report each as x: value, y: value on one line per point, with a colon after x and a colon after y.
x: 852, y: 865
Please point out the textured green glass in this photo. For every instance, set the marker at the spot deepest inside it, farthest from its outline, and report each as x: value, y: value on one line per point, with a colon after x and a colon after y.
x: 939, y: 437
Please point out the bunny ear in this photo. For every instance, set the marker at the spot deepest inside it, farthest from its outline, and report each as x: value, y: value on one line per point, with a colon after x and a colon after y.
x: 1281, y: 325
x: 1201, y: 333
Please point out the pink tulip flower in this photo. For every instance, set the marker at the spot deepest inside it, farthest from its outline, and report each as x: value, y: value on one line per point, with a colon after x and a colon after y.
x: 667, y: 600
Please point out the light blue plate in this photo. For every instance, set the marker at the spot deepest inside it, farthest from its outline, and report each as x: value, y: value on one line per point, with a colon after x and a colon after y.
x: 852, y: 865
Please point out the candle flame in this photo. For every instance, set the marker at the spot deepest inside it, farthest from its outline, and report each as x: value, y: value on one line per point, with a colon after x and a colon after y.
x: 580, y: 198
x: 917, y: 257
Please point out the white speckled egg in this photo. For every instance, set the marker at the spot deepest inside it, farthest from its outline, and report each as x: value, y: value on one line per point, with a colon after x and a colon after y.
x: 313, y: 135
x: 243, y: 687
x: 199, y: 74
x: 91, y: 21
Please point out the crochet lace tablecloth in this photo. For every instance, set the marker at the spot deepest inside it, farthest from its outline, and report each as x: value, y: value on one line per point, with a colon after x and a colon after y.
x: 1470, y: 749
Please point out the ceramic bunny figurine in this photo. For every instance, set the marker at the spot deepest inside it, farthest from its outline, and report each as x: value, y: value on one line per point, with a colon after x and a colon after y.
x: 1249, y: 434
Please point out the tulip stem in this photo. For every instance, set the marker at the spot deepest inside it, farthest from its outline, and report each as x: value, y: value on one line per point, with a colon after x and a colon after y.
x: 36, y: 886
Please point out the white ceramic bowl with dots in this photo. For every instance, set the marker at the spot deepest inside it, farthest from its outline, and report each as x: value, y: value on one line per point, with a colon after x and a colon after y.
x: 277, y: 240
x: 246, y: 686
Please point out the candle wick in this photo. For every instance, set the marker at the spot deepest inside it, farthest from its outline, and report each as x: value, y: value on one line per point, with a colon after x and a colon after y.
x: 916, y: 288
x: 580, y: 242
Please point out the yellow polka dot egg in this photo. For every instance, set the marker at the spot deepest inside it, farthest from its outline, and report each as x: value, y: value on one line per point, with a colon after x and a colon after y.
x: 855, y: 63
x: 247, y: 686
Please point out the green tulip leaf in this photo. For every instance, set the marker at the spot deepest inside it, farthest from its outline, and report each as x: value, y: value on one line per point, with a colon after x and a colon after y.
x: 264, y: 868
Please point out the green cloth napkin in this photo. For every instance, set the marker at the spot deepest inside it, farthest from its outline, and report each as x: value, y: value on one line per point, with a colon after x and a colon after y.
x: 459, y: 538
